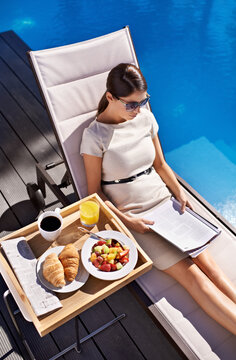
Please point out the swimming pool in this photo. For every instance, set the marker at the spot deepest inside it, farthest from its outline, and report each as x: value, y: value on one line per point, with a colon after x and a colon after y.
x: 186, y: 50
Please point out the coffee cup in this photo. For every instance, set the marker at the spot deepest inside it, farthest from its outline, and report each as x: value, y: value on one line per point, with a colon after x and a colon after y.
x: 50, y: 224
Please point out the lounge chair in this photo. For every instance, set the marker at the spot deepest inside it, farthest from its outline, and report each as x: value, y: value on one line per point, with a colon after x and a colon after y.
x: 72, y: 80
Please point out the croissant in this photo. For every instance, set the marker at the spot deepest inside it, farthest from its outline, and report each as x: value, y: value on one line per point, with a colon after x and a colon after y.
x: 69, y: 258
x: 53, y: 270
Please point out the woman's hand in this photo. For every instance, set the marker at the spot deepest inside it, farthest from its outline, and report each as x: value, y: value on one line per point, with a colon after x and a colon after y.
x: 138, y: 224
x: 182, y: 198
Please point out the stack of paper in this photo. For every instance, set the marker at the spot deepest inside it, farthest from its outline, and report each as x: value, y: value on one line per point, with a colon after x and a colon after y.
x: 188, y: 231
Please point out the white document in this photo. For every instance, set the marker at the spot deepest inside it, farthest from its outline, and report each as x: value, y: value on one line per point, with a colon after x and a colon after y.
x: 24, y: 263
x: 187, y: 231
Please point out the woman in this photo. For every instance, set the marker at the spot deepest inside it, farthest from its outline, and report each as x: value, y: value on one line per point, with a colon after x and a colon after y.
x: 124, y: 164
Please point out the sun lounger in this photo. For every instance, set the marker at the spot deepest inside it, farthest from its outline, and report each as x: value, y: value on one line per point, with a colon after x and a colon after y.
x: 72, y: 80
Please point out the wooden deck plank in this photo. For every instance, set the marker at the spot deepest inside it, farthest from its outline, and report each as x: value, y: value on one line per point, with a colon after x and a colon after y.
x: 19, y: 68
x: 33, y: 139
x: 26, y: 75
x: 24, y: 164
x: 19, y: 156
x: 140, y: 328
x: 27, y: 103
x: 65, y: 336
x: 42, y: 348
x: 14, y: 191
x: 8, y: 220
x: 21, y: 159
x: 17, y: 44
x: 112, y: 342
x: 21, y: 121
x: 8, y: 349
x: 11, y: 331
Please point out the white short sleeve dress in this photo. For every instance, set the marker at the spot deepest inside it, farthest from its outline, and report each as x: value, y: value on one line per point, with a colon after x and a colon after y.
x: 127, y: 149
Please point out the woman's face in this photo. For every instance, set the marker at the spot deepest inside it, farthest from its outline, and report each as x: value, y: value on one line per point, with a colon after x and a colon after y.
x: 119, y: 105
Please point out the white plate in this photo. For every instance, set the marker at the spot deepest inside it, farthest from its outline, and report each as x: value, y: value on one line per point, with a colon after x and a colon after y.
x: 79, y: 281
x: 111, y: 275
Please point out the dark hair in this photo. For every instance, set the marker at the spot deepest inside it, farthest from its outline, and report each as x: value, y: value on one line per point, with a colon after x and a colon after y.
x: 122, y: 81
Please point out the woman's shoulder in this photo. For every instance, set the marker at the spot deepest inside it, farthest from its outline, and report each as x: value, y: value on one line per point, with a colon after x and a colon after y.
x: 97, y: 130
x: 149, y: 120
x: 91, y: 142
x: 94, y: 126
x: 146, y: 113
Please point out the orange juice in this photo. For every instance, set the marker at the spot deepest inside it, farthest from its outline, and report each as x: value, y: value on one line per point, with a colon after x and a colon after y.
x: 89, y: 213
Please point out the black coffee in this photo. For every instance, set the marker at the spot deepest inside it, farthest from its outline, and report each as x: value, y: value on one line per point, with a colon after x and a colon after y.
x: 50, y: 223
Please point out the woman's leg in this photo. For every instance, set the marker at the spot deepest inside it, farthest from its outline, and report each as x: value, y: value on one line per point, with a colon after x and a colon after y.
x: 205, y: 293
x: 208, y: 265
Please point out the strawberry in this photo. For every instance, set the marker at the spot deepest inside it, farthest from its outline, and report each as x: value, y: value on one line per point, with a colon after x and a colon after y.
x: 105, y: 267
x: 101, y: 242
x: 100, y: 259
x: 113, y: 267
x: 124, y: 260
x: 96, y: 263
x: 124, y: 253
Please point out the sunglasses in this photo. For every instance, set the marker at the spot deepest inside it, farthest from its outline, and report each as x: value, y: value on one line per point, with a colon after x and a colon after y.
x: 133, y: 105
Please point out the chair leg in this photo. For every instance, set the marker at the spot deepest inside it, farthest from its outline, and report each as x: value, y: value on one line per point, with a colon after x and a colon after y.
x: 76, y: 345
x: 103, y: 327
x: 44, y: 178
x: 78, y: 342
x: 5, y: 298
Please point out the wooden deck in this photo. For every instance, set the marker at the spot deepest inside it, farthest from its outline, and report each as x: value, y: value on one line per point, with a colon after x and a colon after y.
x: 26, y: 137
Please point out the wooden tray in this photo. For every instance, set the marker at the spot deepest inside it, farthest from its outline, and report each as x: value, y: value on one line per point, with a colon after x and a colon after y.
x: 94, y: 290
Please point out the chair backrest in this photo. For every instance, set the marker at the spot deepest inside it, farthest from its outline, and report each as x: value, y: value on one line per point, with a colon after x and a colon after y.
x: 72, y: 80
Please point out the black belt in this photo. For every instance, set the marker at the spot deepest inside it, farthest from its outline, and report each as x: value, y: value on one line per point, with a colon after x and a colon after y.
x: 129, y: 179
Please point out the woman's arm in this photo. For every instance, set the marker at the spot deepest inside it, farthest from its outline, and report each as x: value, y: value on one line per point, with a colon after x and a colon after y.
x: 93, y: 168
x: 167, y: 175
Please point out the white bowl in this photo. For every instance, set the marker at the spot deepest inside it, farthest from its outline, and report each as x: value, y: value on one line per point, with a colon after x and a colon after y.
x: 111, y: 275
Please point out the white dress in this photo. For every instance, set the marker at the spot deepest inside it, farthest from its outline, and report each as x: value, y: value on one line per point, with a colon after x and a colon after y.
x: 127, y: 149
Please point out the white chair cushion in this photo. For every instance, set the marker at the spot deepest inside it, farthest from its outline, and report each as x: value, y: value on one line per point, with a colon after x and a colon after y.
x: 73, y: 80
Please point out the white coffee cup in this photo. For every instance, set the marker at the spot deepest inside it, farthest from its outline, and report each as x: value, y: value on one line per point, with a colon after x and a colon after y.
x: 50, y: 224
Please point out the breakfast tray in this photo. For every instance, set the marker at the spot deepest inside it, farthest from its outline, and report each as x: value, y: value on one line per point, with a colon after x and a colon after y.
x: 94, y: 289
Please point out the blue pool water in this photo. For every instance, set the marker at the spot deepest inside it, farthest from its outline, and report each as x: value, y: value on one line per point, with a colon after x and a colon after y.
x: 186, y: 50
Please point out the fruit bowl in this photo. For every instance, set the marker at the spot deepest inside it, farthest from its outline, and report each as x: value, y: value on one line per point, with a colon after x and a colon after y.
x: 109, y: 275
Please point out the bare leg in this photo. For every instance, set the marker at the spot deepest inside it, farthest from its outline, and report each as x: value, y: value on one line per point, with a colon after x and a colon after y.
x: 205, y: 293
x: 208, y: 265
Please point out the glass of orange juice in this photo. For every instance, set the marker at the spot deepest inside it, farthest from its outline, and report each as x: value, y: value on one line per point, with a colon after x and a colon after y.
x: 89, y: 213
